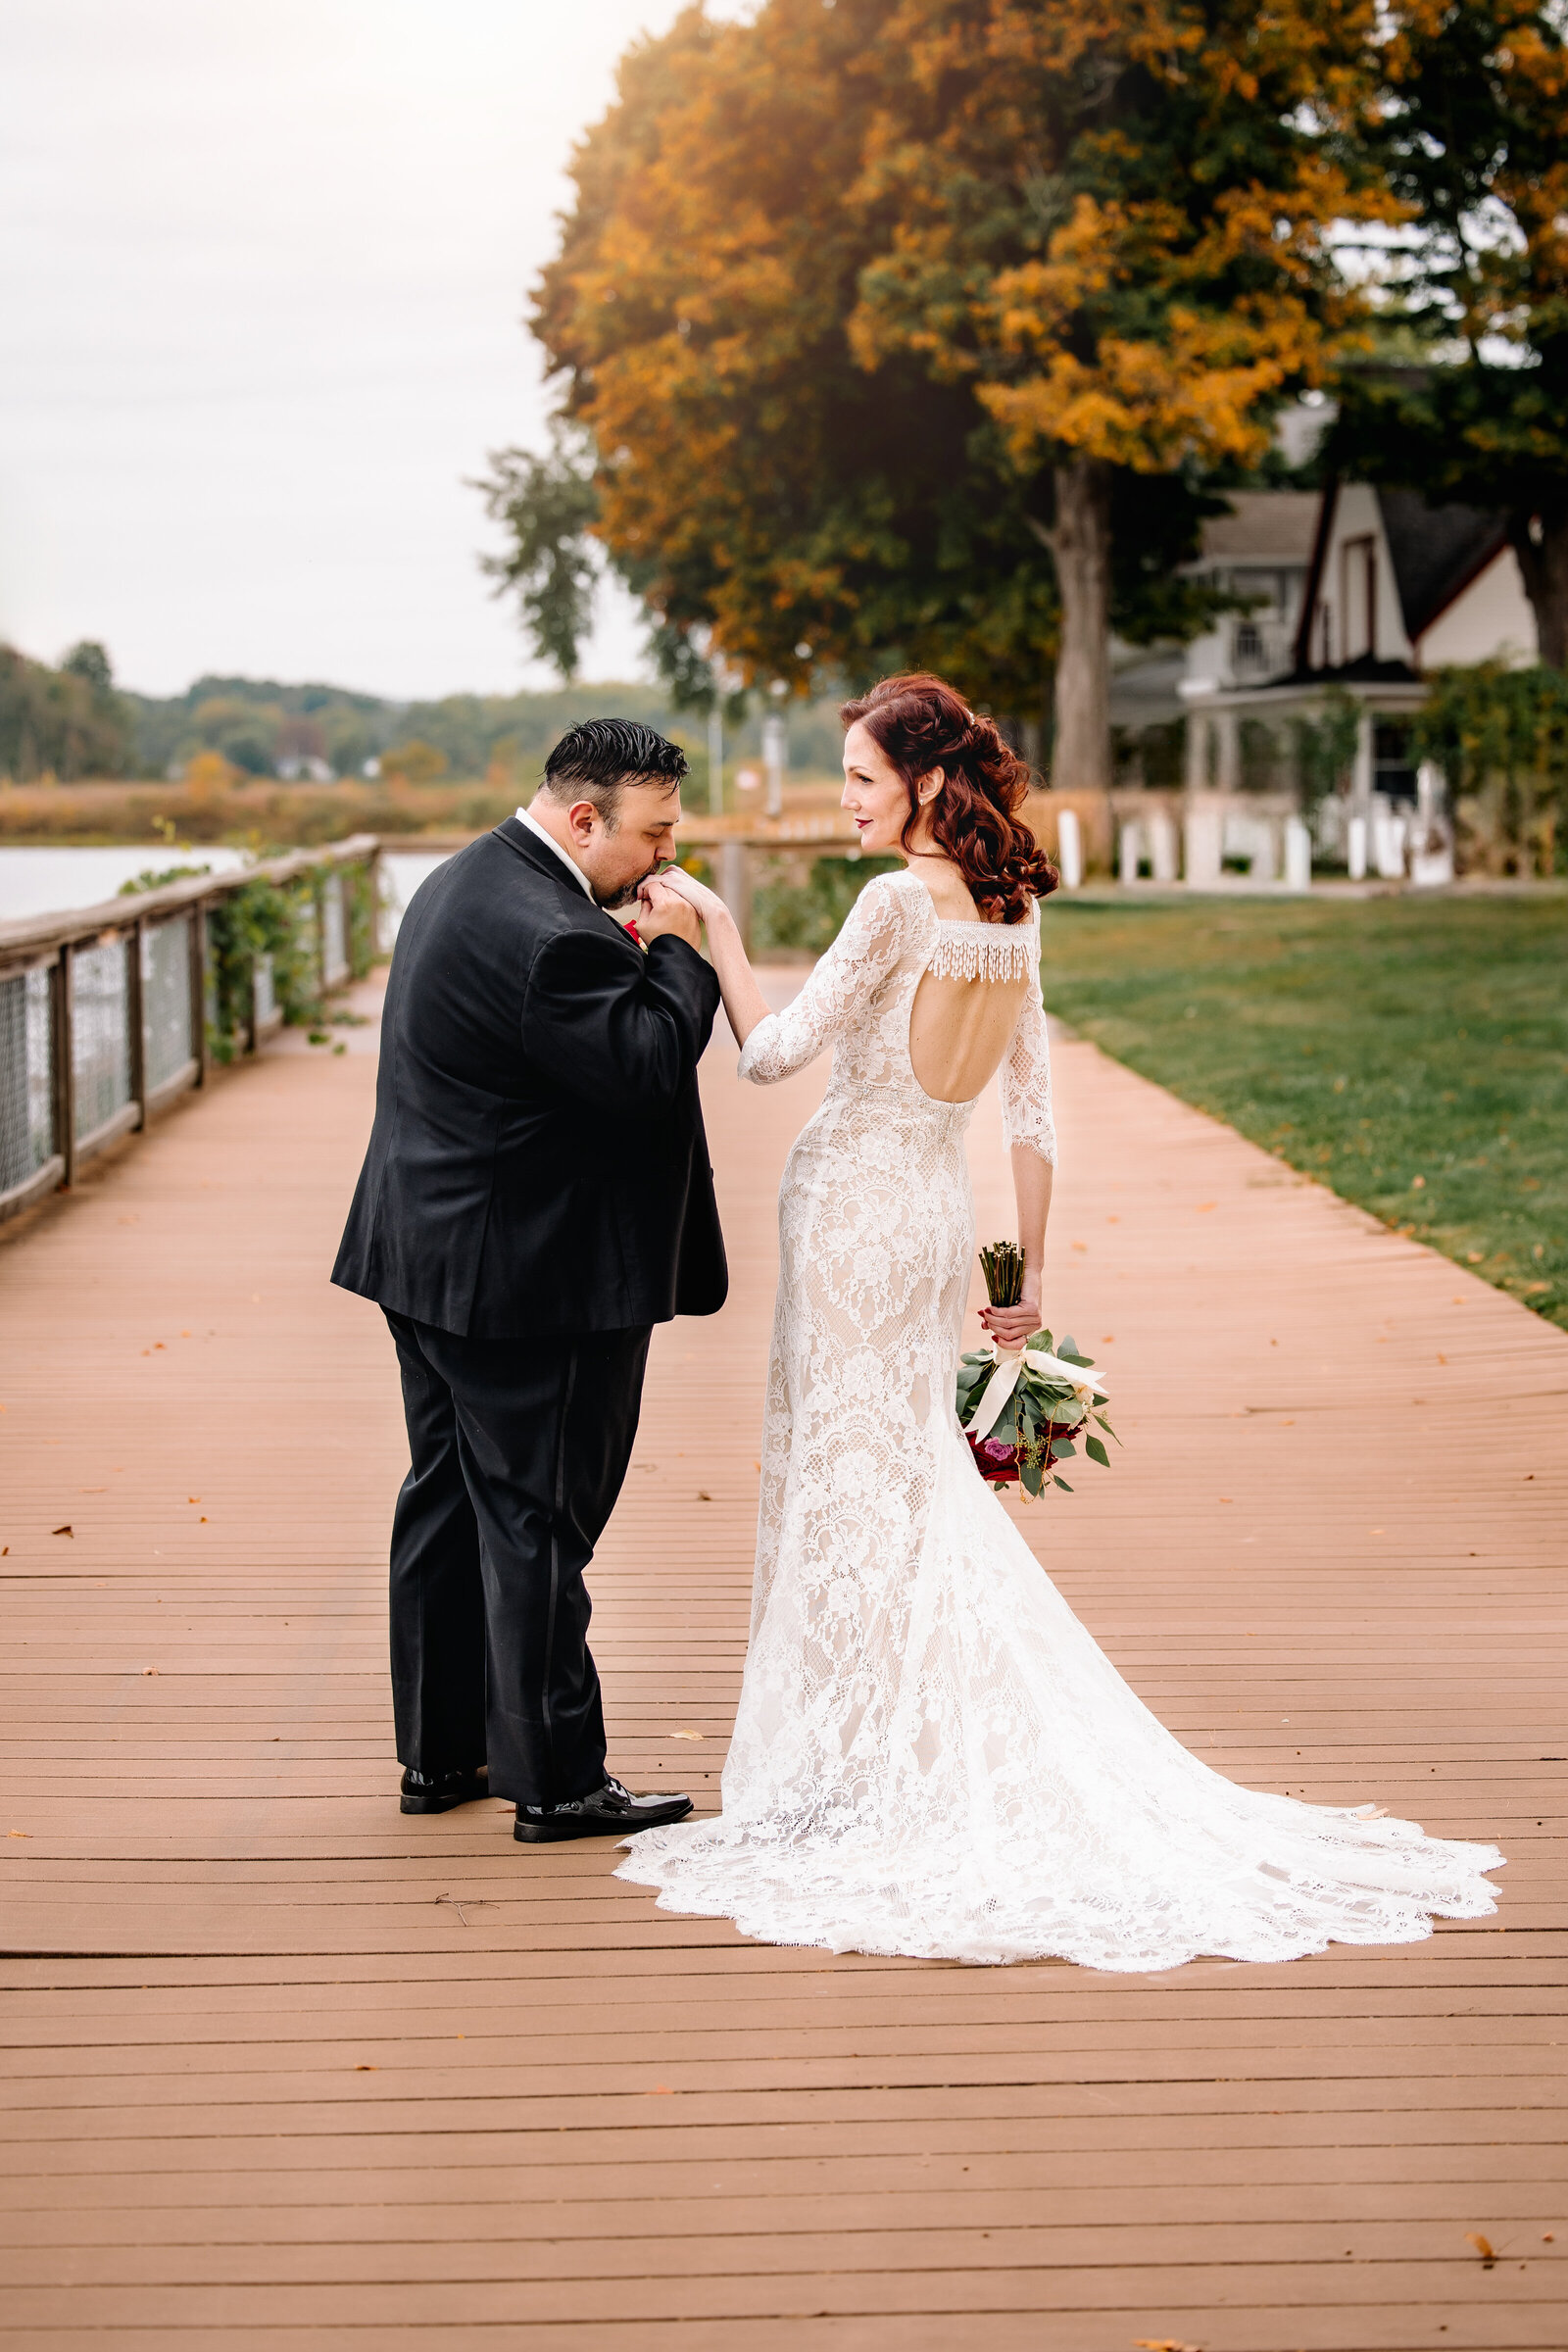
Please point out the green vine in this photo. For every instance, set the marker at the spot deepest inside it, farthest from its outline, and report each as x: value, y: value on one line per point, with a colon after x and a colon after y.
x: 262, y: 918
x: 362, y: 892
x: 1501, y: 736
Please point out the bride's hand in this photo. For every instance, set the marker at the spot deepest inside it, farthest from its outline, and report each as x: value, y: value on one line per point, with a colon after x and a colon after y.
x: 1010, y: 1326
x: 708, y: 903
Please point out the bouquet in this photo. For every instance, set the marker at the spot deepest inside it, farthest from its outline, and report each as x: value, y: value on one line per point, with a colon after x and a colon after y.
x: 1024, y: 1409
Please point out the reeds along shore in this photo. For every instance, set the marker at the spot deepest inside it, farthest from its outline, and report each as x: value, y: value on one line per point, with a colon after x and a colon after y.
x: 263, y: 814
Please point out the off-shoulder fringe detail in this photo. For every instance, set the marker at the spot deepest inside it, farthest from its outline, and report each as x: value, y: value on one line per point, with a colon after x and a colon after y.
x: 984, y: 952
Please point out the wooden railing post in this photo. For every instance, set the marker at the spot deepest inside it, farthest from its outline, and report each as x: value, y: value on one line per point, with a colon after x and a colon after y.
x: 136, y: 1023
x: 198, y: 990
x: 62, y: 1069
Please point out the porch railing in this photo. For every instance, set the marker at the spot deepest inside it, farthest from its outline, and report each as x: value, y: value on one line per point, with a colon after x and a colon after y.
x: 109, y: 1014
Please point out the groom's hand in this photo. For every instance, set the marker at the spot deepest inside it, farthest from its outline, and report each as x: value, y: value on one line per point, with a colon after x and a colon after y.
x: 660, y: 909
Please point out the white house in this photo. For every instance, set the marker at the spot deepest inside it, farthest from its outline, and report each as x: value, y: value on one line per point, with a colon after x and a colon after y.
x: 1368, y: 592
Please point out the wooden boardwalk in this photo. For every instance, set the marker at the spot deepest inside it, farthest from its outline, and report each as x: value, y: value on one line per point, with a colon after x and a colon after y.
x: 285, y: 2070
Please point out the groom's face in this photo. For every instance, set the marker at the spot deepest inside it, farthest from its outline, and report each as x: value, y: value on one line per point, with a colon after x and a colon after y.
x: 619, y: 854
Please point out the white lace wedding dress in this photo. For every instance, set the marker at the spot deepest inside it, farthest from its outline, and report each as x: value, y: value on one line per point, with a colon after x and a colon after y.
x: 931, y: 1755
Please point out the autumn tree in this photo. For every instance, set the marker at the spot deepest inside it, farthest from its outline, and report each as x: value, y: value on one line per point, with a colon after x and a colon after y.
x: 1113, y: 223
x: 776, y: 494
x: 1473, y: 135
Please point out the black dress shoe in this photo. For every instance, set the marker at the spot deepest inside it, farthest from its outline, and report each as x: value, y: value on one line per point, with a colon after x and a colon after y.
x: 439, y: 1791
x: 611, y: 1812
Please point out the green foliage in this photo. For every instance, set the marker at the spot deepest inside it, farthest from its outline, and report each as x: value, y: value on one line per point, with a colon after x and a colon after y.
x: 810, y: 916
x: 262, y: 918
x: 67, y: 722
x: 1473, y: 138
x: 1412, y: 1053
x: 763, y: 490
x: 1042, y: 1418
x: 1504, y: 733
x: 1486, y: 720
x: 361, y: 912
x: 1325, y: 749
x: 159, y: 878
x: 547, y: 506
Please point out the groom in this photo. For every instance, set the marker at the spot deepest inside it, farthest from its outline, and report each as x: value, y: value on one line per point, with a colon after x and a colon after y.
x: 536, y: 1196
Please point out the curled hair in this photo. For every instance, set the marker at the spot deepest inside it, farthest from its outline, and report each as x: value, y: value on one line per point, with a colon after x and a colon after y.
x: 919, y: 723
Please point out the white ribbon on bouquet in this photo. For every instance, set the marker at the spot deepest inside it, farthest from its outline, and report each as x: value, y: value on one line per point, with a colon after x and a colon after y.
x: 1012, y: 1362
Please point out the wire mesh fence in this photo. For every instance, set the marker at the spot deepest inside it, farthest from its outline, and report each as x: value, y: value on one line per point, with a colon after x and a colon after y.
x: 169, y: 1046
x: 101, y: 1018
x: 100, y: 1035
x: 26, y: 1095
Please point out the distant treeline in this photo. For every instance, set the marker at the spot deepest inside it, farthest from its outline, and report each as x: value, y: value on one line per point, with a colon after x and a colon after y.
x: 73, y: 722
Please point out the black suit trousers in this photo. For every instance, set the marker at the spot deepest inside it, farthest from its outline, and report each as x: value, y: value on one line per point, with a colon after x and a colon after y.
x: 519, y: 1451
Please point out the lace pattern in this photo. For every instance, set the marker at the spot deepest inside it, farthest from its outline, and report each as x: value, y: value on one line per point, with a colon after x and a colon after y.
x: 931, y: 1755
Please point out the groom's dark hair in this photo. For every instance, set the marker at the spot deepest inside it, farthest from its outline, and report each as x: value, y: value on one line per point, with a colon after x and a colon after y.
x: 593, y: 761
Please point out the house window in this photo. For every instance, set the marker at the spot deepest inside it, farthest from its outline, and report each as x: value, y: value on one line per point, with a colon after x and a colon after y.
x: 1358, y: 596
x: 1249, y: 645
x: 1393, y: 770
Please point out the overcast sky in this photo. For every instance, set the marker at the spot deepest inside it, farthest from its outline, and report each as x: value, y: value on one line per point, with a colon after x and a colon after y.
x: 262, y: 267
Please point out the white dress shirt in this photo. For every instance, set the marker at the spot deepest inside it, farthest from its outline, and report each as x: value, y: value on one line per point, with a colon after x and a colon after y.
x: 524, y: 817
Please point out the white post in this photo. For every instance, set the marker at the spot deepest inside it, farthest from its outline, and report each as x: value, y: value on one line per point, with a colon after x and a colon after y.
x: 1265, y: 850
x: 775, y: 753
x: 1127, y: 852
x: 1355, y: 848
x: 1070, y: 850
x: 1202, y: 828
x: 1162, y: 846
x: 1298, y: 854
x: 716, y: 762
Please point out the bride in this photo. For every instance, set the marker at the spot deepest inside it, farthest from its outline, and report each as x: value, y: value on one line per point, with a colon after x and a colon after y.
x: 931, y: 1757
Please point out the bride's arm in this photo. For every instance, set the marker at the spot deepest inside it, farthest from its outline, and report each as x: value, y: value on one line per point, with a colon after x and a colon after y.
x: 744, y: 1002
x: 1029, y: 1129
x: 775, y: 1044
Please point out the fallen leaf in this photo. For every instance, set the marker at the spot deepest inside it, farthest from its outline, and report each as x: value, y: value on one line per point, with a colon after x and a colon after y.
x: 193, y: 1498
x: 660, y: 2091
x: 1203, y: 1206
x: 202, y: 1521
x: 4, y: 1548
x: 702, y: 1497
x: 1483, y: 2246
x: 366, y: 2069
x: 67, y: 1530
x: 147, y: 1670
x: 19, y: 1833
x: 1164, y: 2343
x: 688, y: 1735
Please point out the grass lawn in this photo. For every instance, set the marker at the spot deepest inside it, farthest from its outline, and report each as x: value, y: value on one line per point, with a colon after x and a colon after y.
x: 1412, y: 1053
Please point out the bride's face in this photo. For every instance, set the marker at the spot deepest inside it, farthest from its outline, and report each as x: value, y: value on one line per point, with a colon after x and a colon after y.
x: 875, y: 794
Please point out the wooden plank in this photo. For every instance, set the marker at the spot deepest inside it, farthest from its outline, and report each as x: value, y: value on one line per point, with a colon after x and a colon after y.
x: 835, y: 2154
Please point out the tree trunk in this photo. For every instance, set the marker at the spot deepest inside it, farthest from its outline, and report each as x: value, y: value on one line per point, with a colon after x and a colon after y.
x: 1544, y: 566
x: 1079, y: 541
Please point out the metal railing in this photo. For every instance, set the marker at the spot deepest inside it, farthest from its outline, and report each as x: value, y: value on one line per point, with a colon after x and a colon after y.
x: 108, y: 1014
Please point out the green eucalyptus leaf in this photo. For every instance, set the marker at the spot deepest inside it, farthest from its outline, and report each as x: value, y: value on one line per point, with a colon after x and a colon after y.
x: 1095, y: 1450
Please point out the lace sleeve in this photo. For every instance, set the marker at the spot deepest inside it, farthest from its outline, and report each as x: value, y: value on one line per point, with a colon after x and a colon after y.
x: 863, y: 952
x: 1026, y: 1078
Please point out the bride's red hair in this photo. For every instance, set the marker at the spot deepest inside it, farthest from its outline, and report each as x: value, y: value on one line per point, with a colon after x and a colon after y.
x: 919, y: 723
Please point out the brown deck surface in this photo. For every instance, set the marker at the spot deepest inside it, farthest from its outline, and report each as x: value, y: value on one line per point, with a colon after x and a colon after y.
x: 289, y: 2071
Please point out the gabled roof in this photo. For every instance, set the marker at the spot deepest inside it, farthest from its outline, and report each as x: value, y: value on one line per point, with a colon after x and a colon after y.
x: 1263, y: 527
x: 1435, y: 552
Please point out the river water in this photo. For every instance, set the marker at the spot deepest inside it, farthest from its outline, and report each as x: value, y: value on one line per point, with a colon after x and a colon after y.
x: 55, y: 881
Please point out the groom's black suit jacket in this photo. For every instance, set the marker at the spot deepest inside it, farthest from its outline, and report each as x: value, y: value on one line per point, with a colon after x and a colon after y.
x: 538, y: 1161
